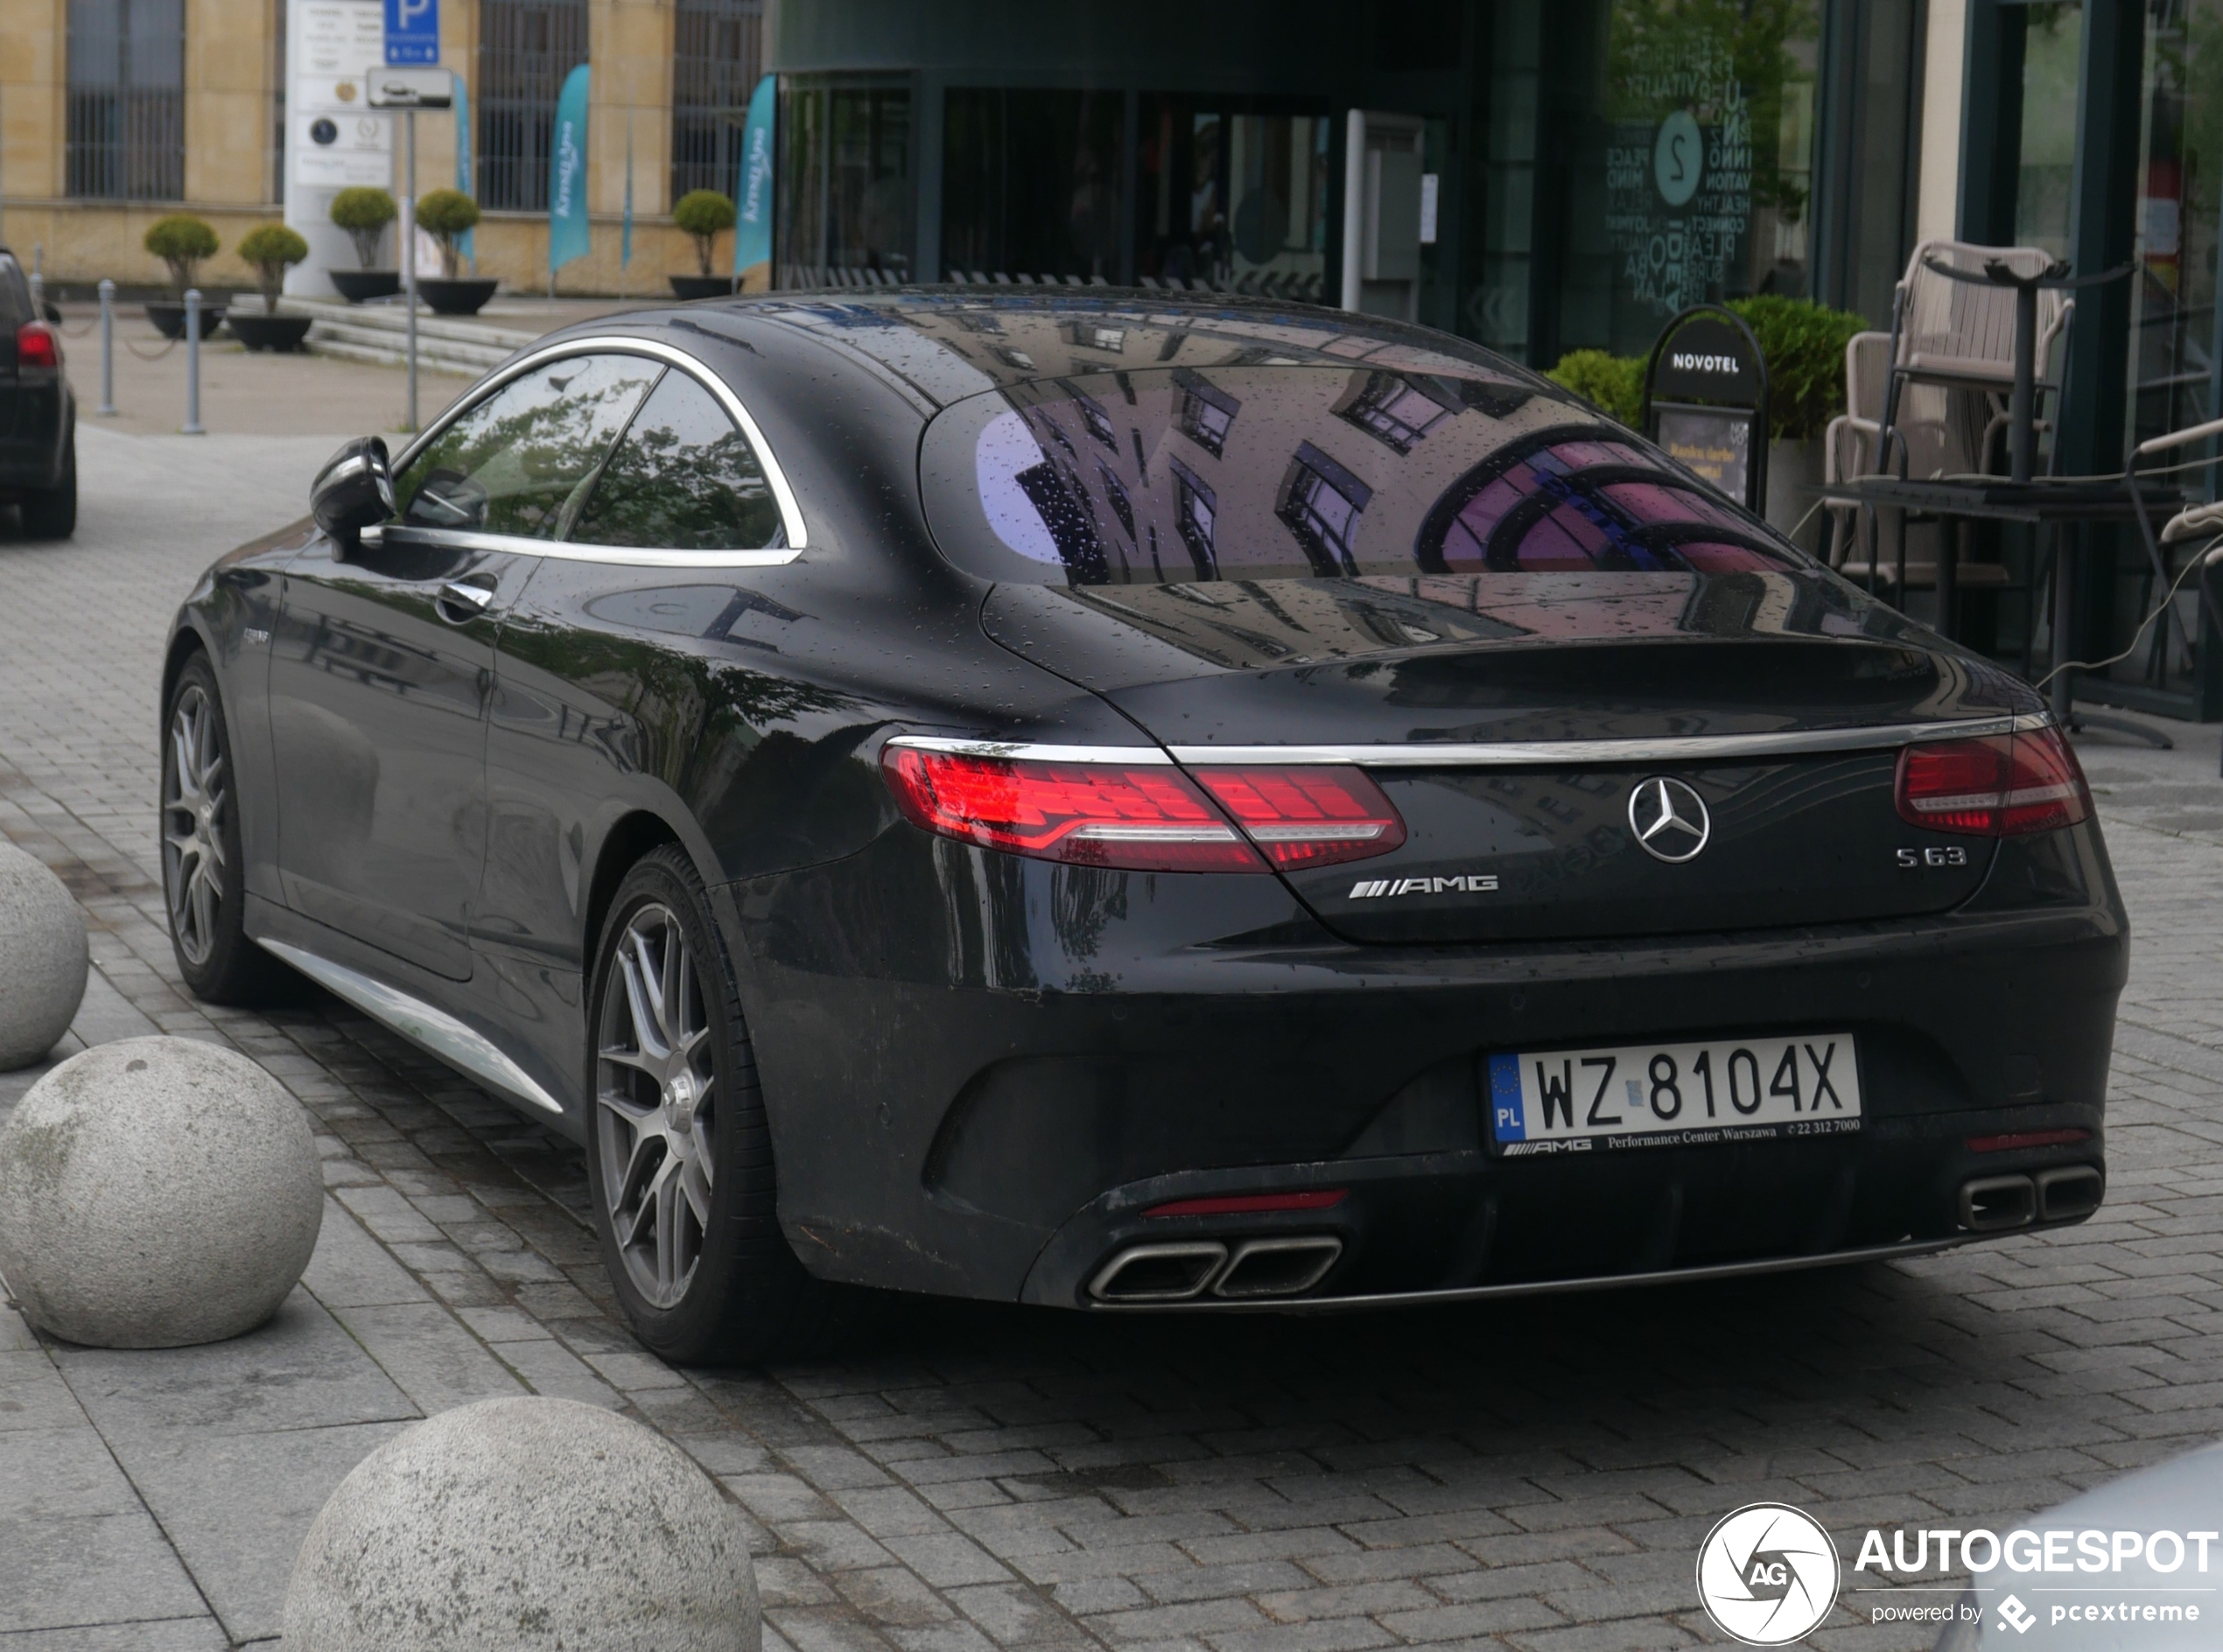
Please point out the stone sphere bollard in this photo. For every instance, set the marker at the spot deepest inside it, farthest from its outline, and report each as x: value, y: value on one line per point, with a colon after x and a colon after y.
x: 154, y: 1193
x: 43, y: 959
x: 525, y: 1522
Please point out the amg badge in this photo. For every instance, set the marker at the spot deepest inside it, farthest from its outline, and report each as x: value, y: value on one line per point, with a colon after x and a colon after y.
x: 1473, y: 884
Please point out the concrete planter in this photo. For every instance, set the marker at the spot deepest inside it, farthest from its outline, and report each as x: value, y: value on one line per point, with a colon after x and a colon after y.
x: 1793, y: 467
x: 168, y: 316
x: 456, y: 295
x: 360, y: 286
x: 693, y: 287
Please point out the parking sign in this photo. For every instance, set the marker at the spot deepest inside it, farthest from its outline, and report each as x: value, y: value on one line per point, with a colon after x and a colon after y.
x: 412, y: 32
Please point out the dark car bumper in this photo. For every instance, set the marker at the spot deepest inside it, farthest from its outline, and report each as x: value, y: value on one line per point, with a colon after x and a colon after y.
x: 31, y: 451
x: 982, y: 1071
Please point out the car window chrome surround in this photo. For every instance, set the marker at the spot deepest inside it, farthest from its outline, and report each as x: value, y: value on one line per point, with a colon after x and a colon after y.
x: 618, y: 555
x: 429, y: 1029
x: 1686, y: 748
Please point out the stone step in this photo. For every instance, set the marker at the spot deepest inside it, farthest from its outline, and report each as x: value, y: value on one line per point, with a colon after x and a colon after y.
x: 379, y: 333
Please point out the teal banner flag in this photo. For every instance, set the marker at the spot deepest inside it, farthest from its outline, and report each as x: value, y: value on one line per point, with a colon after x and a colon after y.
x: 463, y: 157
x: 567, y: 233
x: 753, y: 200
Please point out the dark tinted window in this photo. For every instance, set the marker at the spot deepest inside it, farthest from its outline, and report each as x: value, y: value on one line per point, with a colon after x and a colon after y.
x: 683, y: 478
x: 15, y: 293
x: 520, y: 461
x: 1268, y: 472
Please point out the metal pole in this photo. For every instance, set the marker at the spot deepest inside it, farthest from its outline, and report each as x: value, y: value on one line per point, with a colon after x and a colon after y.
x: 193, y: 363
x: 412, y: 124
x: 106, y: 407
x: 2022, y: 424
x: 1353, y: 204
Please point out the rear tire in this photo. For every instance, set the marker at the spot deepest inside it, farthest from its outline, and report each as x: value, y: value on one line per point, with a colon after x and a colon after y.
x: 51, y: 513
x: 679, y: 1152
x: 204, y: 869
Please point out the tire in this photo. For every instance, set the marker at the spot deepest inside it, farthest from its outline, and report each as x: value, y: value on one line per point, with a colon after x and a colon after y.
x: 679, y: 1152
x: 204, y: 881
x: 51, y: 513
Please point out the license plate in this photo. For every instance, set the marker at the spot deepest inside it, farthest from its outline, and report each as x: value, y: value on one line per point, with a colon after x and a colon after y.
x: 1674, y: 1094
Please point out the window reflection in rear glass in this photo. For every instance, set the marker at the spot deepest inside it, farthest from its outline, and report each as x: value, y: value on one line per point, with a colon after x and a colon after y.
x: 1250, y: 472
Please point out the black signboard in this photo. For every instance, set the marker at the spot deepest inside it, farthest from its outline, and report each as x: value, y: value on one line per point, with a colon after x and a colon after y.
x: 1706, y: 400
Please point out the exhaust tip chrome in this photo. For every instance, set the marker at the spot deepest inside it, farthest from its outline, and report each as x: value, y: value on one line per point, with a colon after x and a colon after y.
x: 2064, y: 1195
x: 1993, y: 1204
x: 1158, y: 1273
x: 1277, y: 1267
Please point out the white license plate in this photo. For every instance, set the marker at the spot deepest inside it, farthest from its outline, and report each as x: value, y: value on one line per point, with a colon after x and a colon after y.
x: 1674, y: 1094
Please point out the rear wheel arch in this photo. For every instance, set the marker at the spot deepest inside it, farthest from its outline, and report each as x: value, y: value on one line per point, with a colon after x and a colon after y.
x: 634, y: 837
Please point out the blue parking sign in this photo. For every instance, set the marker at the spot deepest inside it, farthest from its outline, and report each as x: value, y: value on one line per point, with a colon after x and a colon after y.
x: 412, y: 32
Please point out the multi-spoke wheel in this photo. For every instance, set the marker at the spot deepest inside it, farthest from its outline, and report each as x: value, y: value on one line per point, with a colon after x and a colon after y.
x: 203, y: 873
x: 658, y: 1083
x: 679, y: 1154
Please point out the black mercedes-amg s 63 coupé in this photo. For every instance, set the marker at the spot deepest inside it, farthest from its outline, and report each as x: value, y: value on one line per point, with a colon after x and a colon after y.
x: 1137, y: 801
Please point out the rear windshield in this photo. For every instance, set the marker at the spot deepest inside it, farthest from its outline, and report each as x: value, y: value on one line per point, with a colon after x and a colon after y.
x: 1176, y: 475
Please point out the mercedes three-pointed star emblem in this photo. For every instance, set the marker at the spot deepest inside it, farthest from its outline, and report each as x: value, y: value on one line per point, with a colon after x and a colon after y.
x: 1669, y: 819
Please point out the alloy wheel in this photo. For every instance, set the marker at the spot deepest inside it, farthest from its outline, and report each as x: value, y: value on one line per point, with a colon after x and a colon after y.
x: 194, y: 798
x: 655, y: 1085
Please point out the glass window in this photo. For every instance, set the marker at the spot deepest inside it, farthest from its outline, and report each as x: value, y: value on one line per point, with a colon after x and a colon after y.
x: 683, y: 478
x: 520, y: 462
x: 526, y: 47
x: 715, y: 51
x: 1496, y: 484
x: 1030, y: 185
x: 1396, y: 409
x: 1231, y: 200
x: 844, y: 214
x: 2052, y: 44
x: 127, y: 99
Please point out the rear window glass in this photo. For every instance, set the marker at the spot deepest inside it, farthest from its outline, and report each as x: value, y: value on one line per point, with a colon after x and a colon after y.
x: 1262, y: 472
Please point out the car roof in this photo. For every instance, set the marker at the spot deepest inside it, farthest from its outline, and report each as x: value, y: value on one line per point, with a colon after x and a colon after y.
x: 942, y: 345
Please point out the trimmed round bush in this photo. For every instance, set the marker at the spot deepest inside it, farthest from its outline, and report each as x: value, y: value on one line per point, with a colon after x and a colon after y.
x: 155, y: 1193
x: 43, y: 959
x: 447, y: 215
x: 182, y: 242
x: 703, y: 214
x: 525, y: 1523
x: 364, y: 214
x: 270, y: 248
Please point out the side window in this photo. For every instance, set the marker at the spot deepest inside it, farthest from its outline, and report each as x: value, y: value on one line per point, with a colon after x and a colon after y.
x: 522, y: 460
x: 684, y: 478
x: 15, y: 294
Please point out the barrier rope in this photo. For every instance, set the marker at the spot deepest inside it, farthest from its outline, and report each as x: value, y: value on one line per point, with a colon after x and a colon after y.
x: 168, y: 345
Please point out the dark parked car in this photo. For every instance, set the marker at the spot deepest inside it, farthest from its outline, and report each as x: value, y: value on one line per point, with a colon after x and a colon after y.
x: 37, y: 413
x: 1129, y: 801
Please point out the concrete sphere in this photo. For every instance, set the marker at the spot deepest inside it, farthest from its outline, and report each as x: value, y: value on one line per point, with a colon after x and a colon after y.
x: 154, y: 1193
x: 525, y: 1523
x: 43, y: 959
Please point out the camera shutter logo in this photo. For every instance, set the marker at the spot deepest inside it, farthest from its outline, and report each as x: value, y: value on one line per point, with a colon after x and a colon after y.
x: 1767, y: 1574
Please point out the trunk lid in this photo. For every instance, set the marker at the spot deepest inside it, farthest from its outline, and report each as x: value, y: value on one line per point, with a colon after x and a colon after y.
x: 1615, y: 682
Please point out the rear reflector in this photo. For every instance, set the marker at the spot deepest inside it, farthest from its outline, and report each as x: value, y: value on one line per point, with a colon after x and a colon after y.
x: 1253, y: 1204
x: 35, y: 346
x: 1307, y: 816
x: 1138, y: 817
x: 2027, y: 1138
x: 2000, y: 785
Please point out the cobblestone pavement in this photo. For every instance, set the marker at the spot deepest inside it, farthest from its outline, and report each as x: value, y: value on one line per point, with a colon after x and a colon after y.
x: 1535, y: 1475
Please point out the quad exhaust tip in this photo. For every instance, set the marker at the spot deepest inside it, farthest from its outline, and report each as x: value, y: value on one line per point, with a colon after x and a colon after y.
x: 1257, y: 1268
x: 1994, y: 1204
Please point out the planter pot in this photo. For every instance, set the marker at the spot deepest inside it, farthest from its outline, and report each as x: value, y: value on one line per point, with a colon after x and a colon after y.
x: 456, y: 295
x: 356, y: 285
x: 169, y: 318
x: 693, y: 287
x: 1793, y: 467
x: 280, y: 333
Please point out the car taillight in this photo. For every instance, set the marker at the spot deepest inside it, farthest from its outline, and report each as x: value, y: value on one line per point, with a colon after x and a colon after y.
x: 1998, y: 786
x: 35, y: 346
x: 1307, y: 816
x: 1139, y: 817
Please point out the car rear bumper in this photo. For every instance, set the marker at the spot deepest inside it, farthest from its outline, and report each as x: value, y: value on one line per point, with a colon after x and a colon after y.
x: 981, y: 1071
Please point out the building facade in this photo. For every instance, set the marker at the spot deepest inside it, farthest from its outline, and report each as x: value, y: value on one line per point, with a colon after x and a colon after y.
x: 115, y: 113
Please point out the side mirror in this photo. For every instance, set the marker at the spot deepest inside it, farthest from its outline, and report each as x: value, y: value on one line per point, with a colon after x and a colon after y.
x: 354, y: 489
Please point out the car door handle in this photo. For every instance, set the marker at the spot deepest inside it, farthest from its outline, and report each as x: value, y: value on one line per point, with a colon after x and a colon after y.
x: 460, y: 600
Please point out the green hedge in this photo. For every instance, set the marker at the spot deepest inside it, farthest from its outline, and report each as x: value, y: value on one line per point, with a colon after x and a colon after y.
x: 1803, y: 343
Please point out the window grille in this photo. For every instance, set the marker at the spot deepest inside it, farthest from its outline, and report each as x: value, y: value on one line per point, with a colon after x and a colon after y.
x: 1206, y: 413
x: 1321, y: 501
x: 1398, y: 411
x: 526, y: 47
x: 1195, y: 510
x: 127, y: 99
x: 716, y: 59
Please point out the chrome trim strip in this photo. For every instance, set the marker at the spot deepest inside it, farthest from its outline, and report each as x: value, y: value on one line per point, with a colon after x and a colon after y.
x: 1661, y: 749
x: 617, y: 555
x: 1550, y: 1287
x: 776, y: 479
x: 1025, y: 751
x: 433, y: 1030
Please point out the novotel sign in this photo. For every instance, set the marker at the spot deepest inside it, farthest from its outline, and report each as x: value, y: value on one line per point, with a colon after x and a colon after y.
x: 1706, y: 358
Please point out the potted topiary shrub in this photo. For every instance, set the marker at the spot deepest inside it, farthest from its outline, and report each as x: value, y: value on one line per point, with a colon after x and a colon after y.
x: 182, y: 241
x: 364, y: 214
x: 447, y: 216
x: 703, y: 214
x: 270, y: 248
